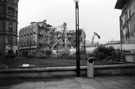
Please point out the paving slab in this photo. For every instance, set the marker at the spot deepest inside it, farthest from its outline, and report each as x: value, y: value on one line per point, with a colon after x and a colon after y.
x: 102, y: 82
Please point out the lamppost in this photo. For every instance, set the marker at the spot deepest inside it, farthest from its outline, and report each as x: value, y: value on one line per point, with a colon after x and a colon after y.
x: 77, y: 38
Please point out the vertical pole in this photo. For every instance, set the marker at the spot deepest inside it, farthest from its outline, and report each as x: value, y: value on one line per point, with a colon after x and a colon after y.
x: 57, y: 44
x: 77, y: 39
x: 4, y: 43
x: 121, y: 38
x: 3, y: 33
x: 84, y: 45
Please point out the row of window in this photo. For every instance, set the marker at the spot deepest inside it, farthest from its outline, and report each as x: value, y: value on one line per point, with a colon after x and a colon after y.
x: 41, y: 34
x: 12, y: 27
x: 13, y: 1
x: 12, y: 12
x: 10, y: 40
x: 27, y: 31
x: 26, y: 43
x: 127, y: 14
x: 26, y: 35
x: 127, y: 35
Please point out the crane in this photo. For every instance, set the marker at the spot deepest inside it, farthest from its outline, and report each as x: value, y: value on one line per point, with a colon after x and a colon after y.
x: 64, y: 34
x: 95, y: 34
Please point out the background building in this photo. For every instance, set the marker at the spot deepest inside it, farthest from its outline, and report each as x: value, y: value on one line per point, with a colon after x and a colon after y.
x: 127, y: 24
x: 67, y: 39
x: 37, y: 37
x: 8, y: 26
x: 127, y: 20
x: 40, y: 36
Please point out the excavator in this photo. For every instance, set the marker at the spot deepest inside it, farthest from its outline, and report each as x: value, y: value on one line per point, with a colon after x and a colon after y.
x: 92, y: 41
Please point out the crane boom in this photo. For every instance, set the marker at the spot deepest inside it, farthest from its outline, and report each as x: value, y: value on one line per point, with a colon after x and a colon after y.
x: 95, y: 34
x: 64, y: 34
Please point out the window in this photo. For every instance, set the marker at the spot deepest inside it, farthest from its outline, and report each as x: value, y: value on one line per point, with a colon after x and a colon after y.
x: 6, y: 40
x: 15, y: 41
x: 1, y: 25
x: 15, y: 1
x: 1, y: 10
x: 1, y: 1
x: 1, y: 39
x: 14, y: 28
x: 16, y: 14
x: 11, y: 11
x: 10, y: 27
x: 10, y: 40
x: 10, y: 1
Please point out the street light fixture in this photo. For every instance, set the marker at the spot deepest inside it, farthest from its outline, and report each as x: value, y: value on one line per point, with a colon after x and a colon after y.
x: 77, y: 38
x: 76, y: 0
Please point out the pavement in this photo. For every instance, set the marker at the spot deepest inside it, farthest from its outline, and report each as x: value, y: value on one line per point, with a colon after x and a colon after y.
x: 99, y: 82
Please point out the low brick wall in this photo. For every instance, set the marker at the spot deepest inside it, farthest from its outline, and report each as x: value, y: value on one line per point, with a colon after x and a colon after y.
x: 99, y: 70
x: 115, y: 69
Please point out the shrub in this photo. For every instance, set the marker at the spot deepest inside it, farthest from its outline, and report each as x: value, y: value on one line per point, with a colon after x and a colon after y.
x: 41, y: 55
x: 48, y: 52
x: 108, y: 54
x: 63, y: 56
x: 73, y: 56
x: 10, y: 56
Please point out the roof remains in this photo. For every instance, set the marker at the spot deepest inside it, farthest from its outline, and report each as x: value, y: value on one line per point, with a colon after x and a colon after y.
x: 120, y: 4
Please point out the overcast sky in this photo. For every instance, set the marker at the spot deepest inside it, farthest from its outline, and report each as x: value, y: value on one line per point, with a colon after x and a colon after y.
x: 95, y: 16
